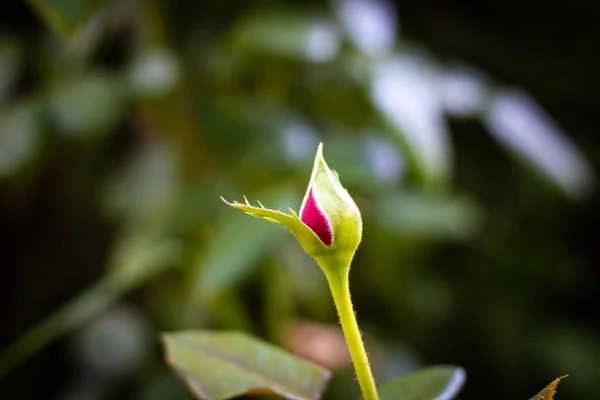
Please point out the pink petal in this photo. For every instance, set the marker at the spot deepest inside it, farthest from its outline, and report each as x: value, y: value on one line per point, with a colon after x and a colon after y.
x: 314, y: 218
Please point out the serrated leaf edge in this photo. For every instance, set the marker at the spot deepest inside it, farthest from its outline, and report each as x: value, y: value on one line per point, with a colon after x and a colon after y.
x: 549, y: 391
x: 307, y: 238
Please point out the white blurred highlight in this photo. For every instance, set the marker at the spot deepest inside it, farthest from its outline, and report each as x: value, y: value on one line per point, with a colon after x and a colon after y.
x: 457, y: 380
x: 462, y: 91
x: 154, y: 72
x: 300, y: 141
x: 371, y: 24
x: 404, y: 89
x: 115, y: 343
x: 521, y: 125
x: 323, y: 43
x: 385, y: 161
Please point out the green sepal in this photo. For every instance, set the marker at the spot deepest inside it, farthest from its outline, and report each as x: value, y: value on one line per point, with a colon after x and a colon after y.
x: 549, y: 391
x: 310, y: 242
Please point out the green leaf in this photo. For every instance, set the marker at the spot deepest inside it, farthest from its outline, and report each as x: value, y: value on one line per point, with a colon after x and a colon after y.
x: 221, y: 365
x: 297, y: 36
x: 145, y: 187
x: 19, y: 136
x: 89, y: 106
x: 412, y: 214
x: 66, y: 16
x: 549, y: 391
x: 11, y: 57
x: 441, y: 382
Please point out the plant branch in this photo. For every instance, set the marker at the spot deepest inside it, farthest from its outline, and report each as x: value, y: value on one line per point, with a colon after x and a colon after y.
x: 340, y: 289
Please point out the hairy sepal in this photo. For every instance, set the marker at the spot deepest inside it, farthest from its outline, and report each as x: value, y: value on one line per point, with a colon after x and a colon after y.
x: 309, y: 241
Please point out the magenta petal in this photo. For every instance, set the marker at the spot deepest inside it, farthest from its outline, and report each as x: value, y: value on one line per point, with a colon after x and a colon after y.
x: 314, y: 218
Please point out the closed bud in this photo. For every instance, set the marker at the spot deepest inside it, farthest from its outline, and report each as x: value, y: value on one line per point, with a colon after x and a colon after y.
x: 329, y: 227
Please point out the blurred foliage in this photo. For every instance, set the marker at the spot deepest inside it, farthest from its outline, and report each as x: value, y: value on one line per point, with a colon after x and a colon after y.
x: 122, y: 122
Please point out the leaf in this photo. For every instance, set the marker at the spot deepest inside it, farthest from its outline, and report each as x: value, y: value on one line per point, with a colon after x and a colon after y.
x: 66, y: 16
x: 413, y: 214
x: 298, y: 36
x: 19, y: 137
x: 405, y: 93
x: 441, y: 382
x: 89, y: 106
x: 11, y: 57
x: 549, y: 391
x: 524, y: 128
x: 221, y: 365
x: 145, y: 187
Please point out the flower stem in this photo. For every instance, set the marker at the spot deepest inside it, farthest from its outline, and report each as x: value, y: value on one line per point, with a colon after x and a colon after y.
x: 340, y: 289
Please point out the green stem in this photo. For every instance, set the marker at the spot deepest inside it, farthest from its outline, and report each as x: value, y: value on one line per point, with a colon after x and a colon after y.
x: 340, y: 289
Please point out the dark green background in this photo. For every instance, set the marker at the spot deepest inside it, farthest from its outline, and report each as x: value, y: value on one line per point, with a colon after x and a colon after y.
x: 498, y: 274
